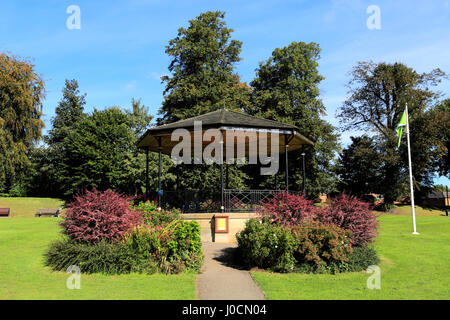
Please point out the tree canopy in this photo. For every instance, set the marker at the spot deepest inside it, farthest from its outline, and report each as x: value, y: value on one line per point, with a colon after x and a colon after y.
x: 68, y: 112
x: 378, y: 94
x: 359, y: 167
x: 286, y: 89
x: 202, y: 70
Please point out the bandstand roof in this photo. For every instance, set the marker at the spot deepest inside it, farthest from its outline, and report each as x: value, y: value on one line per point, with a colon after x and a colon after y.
x: 228, y: 122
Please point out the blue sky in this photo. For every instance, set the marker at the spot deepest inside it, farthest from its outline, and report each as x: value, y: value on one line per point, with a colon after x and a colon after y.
x: 118, y: 53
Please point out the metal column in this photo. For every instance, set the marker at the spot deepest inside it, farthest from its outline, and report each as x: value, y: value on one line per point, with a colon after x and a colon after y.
x: 159, y: 172
x: 304, y: 170
x: 287, y: 162
x: 227, y: 186
x: 147, y: 194
x: 222, y: 206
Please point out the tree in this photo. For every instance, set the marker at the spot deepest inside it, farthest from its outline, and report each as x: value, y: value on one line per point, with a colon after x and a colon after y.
x: 101, y: 153
x: 96, y: 150
x: 442, y: 122
x: 202, y: 79
x: 440, y: 187
x: 286, y: 89
x: 139, y: 118
x: 133, y: 176
x: 378, y: 94
x: 359, y: 167
x: 68, y: 112
x: 21, y: 94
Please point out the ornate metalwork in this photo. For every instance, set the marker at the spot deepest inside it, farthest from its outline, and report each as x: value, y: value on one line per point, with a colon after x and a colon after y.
x: 199, y: 201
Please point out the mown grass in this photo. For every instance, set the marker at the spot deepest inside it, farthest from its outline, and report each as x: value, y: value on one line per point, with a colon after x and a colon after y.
x: 412, y: 267
x: 23, y: 275
x: 26, y: 207
x: 405, y: 210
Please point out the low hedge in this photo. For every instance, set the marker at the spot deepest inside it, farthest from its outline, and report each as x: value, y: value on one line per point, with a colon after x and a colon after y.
x: 361, y: 258
x: 312, y: 246
x: 102, y: 257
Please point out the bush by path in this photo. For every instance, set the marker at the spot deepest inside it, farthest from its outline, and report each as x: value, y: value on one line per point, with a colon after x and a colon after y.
x: 105, y: 233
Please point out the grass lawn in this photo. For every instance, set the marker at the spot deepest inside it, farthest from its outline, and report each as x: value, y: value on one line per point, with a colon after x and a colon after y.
x: 23, y: 276
x: 412, y: 267
x: 405, y: 210
x: 26, y: 207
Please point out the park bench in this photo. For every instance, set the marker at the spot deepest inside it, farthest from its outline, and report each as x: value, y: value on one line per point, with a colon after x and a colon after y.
x: 47, y: 213
x: 4, y: 212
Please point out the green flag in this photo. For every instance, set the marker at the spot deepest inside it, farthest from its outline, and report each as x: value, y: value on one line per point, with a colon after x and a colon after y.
x: 400, y: 126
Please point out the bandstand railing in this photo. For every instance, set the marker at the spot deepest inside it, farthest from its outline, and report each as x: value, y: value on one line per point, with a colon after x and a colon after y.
x: 204, y: 201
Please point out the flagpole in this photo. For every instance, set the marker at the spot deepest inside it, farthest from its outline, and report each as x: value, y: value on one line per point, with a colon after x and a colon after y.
x: 410, y: 174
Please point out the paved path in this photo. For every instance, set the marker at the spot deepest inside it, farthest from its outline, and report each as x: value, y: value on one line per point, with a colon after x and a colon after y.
x: 221, y: 280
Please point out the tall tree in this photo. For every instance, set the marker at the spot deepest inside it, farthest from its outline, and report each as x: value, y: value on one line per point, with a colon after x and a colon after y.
x: 48, y: 160
x: 203, y: 80
x: 68, y: 112
x: 97, y: 148
x: 21, y: 94
x: 202, y: 70
x: 286, y: 89
x: 378, y: 94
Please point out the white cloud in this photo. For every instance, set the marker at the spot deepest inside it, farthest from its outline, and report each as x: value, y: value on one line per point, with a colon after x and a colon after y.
x: 131, y: 86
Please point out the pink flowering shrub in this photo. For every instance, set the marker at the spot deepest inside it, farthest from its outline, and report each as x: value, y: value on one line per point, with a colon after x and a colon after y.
x: 352, y: 214
x: 288, y: 209
x: 95, y: 216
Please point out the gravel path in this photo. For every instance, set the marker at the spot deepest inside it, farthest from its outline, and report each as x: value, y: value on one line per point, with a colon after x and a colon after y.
x: 221, y: 279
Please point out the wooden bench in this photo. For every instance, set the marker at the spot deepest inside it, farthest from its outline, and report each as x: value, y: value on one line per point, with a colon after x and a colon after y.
x: 47, y: 213
x: 4, y: 212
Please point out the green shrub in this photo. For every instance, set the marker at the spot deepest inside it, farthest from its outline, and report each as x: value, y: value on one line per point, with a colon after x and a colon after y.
x: 320, y: 247
x: 384, y: 207
x: 144, y: 241
x: 312, y: 247
x: 361, y: 258
x: 186, y: 246
x: 154, y: 217
x: 266, y: 246
x: 186, y: 238
x: 170, y: 249
x: 18, y: 189
x: 102, y: 257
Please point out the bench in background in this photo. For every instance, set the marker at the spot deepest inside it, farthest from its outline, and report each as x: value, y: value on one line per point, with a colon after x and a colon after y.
x: 47, y: 213
x: 4, y: 212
